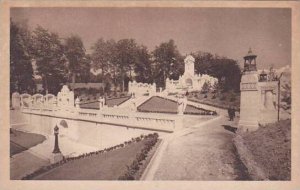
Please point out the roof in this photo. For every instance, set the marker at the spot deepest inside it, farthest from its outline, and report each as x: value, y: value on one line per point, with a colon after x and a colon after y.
x: 250, y: 54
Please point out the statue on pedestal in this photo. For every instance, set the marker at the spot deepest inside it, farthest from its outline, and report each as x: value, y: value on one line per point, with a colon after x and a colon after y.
x: 101, y: 102
x: 182, y: 103
x: 77, y: 102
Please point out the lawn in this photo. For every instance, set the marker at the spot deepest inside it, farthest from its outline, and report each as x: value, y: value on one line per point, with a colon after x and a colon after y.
x: 107, y: 166
x: 271, y: 148
x: 161, y: 105
x: 21, y: 141
x: 222, y: 100
x: 110, y: 103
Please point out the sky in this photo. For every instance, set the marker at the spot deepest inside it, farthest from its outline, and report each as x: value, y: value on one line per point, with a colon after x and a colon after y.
x: 227, y: 32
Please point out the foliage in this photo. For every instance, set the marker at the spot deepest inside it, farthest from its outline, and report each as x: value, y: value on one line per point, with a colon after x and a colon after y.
x: 286, y: 97
x: 50, y: 60
x: 78, y: 63
x: 226, y: 70
x: 103, y: 57
x: 142, y: 68
x: 205, y: 87
x: 57, y: 63
x: 167, y: 62
x: 21, y: 71
x: 150, y: 141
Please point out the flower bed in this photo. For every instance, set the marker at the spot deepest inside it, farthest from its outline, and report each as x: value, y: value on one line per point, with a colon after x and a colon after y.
x: 163, y: 105
x: 136, y: 144
x: 136, y: 165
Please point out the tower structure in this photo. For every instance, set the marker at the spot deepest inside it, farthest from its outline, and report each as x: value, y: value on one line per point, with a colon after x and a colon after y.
x: 250, y: 100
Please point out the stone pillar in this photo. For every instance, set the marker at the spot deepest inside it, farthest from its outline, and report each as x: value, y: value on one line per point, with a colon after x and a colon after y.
x: 15, y: 100
x: 250, y: 102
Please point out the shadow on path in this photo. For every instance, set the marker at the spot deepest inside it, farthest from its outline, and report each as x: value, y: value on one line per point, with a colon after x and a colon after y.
x: 230, y: 128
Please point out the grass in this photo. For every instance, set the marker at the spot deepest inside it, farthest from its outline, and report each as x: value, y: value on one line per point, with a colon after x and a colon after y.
x: 107, y: 166
x: 161, y: 105
x: 110, y: 103
x: 222, y: 100
x: 271, y: 148
x: 21, y: 141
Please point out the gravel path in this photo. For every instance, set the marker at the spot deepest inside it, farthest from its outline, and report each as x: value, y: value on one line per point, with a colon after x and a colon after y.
x: 202, y: 152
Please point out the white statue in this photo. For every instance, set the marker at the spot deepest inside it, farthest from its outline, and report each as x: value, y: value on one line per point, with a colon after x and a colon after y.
x: 133, y: 102
x: 180, y: 103
x: 101, y: 102
x: 77, y: 102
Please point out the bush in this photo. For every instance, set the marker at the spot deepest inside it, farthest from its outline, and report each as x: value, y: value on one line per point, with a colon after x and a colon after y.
x: 223, y: 98
x: 232, y: 99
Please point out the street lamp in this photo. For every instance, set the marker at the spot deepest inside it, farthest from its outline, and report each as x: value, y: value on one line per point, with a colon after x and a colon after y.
x: 56, y: 147
x: 278, y: 101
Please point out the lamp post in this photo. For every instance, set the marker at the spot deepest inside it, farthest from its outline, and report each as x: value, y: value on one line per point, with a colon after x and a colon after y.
x: 278, y: 101
x: 56, y: 147
x: 56, y: 154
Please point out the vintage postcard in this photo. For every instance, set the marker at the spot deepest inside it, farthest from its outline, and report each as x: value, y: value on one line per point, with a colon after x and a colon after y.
x: 150, y: 95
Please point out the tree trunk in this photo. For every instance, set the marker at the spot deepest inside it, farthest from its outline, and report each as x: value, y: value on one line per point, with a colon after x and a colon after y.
x: 73, y: 81
x: 46, y: 84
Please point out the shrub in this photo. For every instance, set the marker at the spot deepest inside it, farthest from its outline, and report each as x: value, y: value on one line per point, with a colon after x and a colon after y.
x: 232, y: 99
x: 223, y: 98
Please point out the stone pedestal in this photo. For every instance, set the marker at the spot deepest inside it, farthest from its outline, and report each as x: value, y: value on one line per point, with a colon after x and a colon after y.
x: 16, y: 100
x: 250, y: 102
x: 56, y: 157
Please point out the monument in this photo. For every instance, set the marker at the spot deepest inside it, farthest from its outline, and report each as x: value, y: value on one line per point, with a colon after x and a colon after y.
x: 189, y: 81
x: 258, y: 96
x: 65, y: 98
x: 140, y: 89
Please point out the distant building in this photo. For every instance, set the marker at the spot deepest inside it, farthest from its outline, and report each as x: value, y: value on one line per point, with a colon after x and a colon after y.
x: 189, y: 81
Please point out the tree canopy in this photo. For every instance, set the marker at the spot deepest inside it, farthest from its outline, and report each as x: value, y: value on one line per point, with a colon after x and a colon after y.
x: 60, y: 60
x: 21, y: 71
x: 50, y: 60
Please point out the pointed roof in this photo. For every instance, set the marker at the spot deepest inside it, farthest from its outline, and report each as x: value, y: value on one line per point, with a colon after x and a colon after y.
x: 250, y: 54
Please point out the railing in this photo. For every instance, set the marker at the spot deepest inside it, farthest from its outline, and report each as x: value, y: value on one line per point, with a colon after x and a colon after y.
x: 131, y: 119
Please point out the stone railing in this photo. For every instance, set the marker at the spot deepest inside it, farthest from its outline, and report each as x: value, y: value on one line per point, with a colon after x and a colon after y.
x: 199, y: 105
x: 127, y: 119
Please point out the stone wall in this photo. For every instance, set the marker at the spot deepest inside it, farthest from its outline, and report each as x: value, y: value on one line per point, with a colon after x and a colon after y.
x: 87, y: 85
x: 140, y: 89
x: 85, y: 132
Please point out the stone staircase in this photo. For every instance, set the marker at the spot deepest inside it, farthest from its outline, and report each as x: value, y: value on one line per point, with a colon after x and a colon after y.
x: 139, y: 100
x: 220, y: 111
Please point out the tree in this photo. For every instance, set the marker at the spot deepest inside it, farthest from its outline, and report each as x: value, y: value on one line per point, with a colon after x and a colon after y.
x: 78, y: 61
x: 21, y: 71
x: 206, y: 87
x: 50, y: 59
x: 167, y: 61
x: 226, y: 70
x: 103, y: 55
x: 142, y: 68
x: 286, y: 99
x: 126, y: 59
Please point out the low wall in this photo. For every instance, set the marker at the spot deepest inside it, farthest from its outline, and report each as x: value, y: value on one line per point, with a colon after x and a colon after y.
x: 101, y: 133
x: 87, y: 85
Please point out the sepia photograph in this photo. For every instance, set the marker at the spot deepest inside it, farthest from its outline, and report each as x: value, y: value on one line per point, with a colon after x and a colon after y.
x: 149, y: 93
